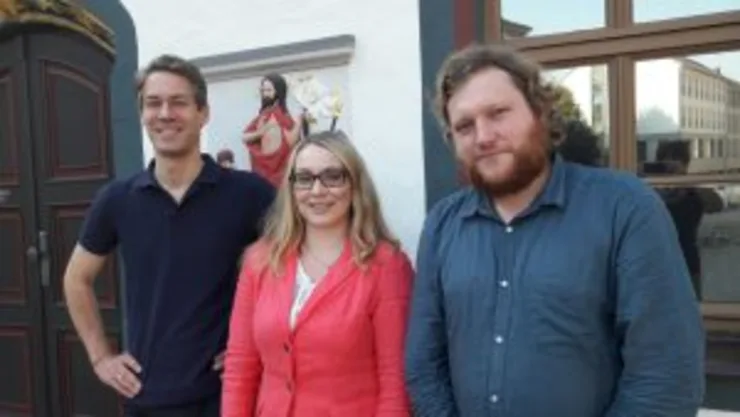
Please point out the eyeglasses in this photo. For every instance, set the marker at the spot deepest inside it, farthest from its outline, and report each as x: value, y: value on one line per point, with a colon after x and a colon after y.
x: 329, y: 178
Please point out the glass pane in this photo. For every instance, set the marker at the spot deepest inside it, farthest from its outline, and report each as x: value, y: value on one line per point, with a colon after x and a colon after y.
x: 688, y: 114
x: 543, y: 17
x: 648, y: 10
x: 583, y: 99
x: 707, y: 219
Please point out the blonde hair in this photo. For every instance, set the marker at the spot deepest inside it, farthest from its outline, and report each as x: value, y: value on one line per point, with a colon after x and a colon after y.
x: 285, y: 228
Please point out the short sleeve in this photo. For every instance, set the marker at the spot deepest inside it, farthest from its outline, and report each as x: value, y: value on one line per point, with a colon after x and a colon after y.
x: 98, y: 234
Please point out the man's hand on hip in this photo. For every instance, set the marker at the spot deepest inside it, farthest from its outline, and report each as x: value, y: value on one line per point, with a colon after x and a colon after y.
x: 120, y: 373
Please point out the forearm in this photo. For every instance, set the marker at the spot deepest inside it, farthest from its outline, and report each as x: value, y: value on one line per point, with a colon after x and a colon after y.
x: 657, y: 318
x: 427, y: 369
x: 250, y: 137
x: 242, y: 366
x: 241, y: 381
x: 663, y: 366
x: 390, y: 318
x: 429, y: 388
x: 83, y: 309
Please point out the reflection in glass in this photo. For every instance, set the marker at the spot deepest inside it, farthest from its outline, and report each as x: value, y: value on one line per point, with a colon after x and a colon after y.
x: 688, y: 115
x: 648, y: 10
x: 707, y: 219
x: 583, y: 100
x: 541, y: 17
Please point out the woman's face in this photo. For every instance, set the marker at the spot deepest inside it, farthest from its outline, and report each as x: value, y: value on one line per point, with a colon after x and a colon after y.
x: 322, y: 189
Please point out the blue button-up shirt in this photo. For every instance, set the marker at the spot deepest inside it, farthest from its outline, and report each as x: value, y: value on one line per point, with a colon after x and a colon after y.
x: 581, y: 306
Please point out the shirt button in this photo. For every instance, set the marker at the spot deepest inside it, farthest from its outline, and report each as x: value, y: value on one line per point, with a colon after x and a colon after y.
x: 499, y: 340
x: 504, y: 284
x: 494, y: 398
x: 509, y: 229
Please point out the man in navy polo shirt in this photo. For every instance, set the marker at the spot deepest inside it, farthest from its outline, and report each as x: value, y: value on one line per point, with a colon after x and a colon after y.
x: 181, y: 226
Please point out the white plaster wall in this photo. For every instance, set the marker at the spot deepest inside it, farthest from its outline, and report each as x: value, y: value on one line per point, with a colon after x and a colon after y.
x: 384, y: 74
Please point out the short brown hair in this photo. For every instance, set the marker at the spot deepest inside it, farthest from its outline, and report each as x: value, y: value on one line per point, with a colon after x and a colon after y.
x: 178, y: 66
x: 525, y: 74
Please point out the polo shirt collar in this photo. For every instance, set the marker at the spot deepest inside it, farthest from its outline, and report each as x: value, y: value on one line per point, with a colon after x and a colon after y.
x: 209, y: 174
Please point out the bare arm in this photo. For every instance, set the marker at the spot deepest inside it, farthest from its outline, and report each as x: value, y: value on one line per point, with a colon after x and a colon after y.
x: 249, y: 137
x: 98, y: 238
x: 117, y: 371
x: 79, y: 278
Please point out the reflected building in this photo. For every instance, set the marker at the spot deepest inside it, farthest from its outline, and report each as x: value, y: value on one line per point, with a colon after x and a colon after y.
x: 589, y: 86
x: 684, y: 100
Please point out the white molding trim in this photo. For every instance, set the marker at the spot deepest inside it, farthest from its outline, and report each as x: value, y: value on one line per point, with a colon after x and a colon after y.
x: 300, y: 56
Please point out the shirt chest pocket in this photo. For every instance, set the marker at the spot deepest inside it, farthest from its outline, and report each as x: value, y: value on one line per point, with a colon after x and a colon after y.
x: 565, y: 314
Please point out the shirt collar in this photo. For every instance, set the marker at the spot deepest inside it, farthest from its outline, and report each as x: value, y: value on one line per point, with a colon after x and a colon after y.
x: 209, y: 174
x: 554, y: 194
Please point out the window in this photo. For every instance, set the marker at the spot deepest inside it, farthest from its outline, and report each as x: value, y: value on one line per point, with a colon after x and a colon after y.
x: 673, y: 74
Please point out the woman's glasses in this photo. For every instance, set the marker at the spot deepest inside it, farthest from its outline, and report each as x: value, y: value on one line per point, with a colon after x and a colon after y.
x: 329, y: 178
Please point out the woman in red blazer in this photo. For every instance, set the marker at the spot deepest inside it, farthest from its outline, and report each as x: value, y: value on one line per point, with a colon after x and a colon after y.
x: 319, y: 316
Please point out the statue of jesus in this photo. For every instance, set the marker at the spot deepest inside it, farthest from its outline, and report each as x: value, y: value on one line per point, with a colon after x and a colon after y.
x: 270, y: 136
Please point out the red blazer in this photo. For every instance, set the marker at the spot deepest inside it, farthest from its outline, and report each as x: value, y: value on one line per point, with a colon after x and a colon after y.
x: 345, y: 356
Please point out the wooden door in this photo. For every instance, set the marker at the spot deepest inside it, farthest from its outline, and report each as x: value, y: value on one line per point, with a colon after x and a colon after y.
x: 63, y: 159
x: 22, y: 385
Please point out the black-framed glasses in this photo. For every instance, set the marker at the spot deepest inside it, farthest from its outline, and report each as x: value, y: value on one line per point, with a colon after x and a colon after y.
x: 329, y: 178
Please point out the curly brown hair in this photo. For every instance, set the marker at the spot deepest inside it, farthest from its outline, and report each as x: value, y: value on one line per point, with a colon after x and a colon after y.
x: 459, y: 67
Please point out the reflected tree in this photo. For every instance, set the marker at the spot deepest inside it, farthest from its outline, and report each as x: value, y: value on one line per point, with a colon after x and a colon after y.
x: 581, y: 145
x: 566, y: 103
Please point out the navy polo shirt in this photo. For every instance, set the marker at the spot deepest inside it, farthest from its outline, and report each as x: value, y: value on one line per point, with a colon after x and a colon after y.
x: 180, y: 265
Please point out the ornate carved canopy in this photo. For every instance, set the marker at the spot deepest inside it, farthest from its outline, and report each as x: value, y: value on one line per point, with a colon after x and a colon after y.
x: 62, y: 13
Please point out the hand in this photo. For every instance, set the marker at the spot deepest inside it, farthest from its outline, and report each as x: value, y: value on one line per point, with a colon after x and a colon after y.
x: 218, y: 363
x: 120, y: 373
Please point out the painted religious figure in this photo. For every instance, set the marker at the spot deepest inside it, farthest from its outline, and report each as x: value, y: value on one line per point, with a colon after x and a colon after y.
x: 270, y: 136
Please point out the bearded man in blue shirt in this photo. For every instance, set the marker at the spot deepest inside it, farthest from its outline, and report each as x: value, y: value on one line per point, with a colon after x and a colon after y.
x: 546, y: 288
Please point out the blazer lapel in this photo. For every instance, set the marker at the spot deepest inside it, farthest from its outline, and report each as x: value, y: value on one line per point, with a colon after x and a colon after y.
x: 285, y: 291
x: 335, y: 277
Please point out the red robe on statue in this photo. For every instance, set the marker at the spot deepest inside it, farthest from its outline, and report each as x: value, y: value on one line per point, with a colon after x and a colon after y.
x: 271, y: 166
